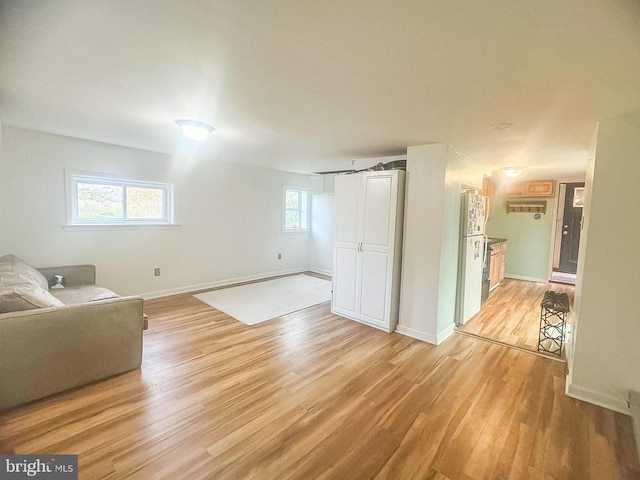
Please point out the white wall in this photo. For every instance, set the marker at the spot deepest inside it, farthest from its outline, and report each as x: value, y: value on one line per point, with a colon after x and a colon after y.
x: 528, y: 239
x: 230, y: 216
x: 321, y: 241
x: 606, y: 353
x: 423, y: 221
x: 435, y: 176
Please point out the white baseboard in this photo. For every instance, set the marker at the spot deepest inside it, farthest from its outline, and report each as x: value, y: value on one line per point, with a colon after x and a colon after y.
x: 418, y: 334
x: 597, y: 398
x: 446, y: 333
x: 427, y: 337
x: 634, y: 411
x: 218, y: 283
x: 636, y: 430
x: 528, y: 279
x: 321, y: 271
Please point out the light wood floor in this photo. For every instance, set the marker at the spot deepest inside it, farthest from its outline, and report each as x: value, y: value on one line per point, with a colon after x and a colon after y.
x: 312, y: 395
x: 511, y: 314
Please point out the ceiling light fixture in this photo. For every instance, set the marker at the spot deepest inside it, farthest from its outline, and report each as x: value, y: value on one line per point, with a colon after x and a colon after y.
x: 194, y: 130
x: 512, y: 171
x: 501, y: 126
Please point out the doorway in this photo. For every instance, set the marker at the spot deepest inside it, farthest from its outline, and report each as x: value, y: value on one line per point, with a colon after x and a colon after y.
x: 567, y: 232
x: 511, y: 314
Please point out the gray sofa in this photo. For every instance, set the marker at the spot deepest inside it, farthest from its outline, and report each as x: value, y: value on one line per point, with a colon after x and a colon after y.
x: 56, y: 339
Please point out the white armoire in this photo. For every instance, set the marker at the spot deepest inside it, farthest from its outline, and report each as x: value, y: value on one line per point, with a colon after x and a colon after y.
x: 369, y: 210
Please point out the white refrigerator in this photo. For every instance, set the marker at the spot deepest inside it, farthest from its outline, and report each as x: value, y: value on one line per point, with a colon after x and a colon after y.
x: 472, y: 255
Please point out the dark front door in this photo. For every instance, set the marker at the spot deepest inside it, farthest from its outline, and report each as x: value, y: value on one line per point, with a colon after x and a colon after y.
x: 572, y: 217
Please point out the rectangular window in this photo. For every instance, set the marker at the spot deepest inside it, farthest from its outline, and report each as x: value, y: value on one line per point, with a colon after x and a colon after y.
x: 103, y: 200
x: 296, y: 210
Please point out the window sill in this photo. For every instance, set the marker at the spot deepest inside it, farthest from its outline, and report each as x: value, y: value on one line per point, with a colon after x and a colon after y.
x: 72, y: 227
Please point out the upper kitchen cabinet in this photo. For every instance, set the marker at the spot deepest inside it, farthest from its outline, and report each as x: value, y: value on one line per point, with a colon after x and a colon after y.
x: 532, y: 188
x: 539, y: 188
x: 488, y: 190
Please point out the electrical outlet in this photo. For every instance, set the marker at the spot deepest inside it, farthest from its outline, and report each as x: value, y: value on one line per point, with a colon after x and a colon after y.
x: 279, y: 256
x: 156, y: 272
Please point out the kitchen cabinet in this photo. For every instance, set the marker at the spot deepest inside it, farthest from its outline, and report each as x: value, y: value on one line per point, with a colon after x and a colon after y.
x: 539, y: 188
x: 532, y: 188
x: 369, y: 212
x: 514, y: 189
x: 497, y: 259
x: 488, y: 190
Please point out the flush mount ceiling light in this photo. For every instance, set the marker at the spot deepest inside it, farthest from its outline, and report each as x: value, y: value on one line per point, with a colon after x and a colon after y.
x: 512, y: 171
x: 501, y: 126
x: 194, y: 130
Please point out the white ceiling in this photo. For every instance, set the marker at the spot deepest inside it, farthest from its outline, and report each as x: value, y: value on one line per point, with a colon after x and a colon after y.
x: 308, y: 85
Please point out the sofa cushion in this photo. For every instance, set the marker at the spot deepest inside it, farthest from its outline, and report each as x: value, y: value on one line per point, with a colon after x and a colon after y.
x: 14, y: 271
x: 82, y: 294
x: 25, y: 297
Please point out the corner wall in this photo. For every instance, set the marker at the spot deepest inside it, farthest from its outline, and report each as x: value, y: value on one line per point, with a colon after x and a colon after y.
x: 606, y: 352
x: 435, y: 176
x: 422, y: 241
x: 230, y: 216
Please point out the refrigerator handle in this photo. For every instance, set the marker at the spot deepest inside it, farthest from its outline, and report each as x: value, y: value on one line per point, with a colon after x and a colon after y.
x: 486, y: 237
x: 486, y: 250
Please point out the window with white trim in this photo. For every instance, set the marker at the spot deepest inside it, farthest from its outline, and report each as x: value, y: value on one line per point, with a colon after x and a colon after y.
x: 99, y: 200
x: 296, y: 210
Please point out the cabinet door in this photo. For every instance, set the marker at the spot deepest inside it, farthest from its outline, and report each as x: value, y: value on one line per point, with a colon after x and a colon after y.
x: 377, y: 226
x: 493, y: 271
x: 347, y: 259
x: 539, y: 188
x: 345, y: 280
x: 348, y: 204
x: 488, y: 190
x: 375, y: 279
x: 377, y: 238
x: 514, y: 189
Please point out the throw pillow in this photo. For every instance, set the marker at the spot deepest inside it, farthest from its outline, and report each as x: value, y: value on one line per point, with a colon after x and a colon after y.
x: 10, y: 264
x: 26, y: 297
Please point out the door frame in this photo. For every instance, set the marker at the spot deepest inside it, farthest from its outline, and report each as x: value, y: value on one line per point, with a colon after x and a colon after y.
x: 556, y: 233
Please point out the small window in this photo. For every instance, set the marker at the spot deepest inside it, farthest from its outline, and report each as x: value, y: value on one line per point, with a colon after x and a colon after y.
x: 296, y: 210
x: 578, y: 197
x: 102, y: 200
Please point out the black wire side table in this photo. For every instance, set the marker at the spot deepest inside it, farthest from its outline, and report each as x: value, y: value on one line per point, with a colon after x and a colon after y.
x: 553, y: 319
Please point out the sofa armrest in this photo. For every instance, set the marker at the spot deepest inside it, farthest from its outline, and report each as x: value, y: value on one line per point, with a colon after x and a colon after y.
x: 73, y: 274
x: 49, y: 350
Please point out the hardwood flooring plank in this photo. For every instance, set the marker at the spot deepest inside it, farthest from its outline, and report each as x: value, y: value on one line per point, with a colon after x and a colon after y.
x: 313, y: 395
x: 511, y: 314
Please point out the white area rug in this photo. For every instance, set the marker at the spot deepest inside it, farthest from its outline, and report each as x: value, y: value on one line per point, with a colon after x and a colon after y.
x: 260, y: 301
